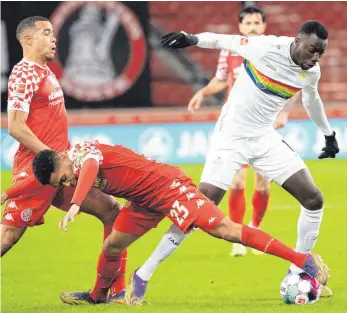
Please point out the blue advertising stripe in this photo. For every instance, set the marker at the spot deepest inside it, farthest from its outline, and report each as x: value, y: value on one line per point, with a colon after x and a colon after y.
x: 185, y: 143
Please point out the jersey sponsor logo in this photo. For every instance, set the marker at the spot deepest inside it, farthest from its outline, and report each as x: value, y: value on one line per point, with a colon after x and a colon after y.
x: 8, y: 217
x: 12, y: 205
x: 91, y: 33
x: 26, y: 215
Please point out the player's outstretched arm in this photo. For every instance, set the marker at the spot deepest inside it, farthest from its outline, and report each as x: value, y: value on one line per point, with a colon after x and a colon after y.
x: 179, y: 40
x: 88, y: 174
x: 19, y: 130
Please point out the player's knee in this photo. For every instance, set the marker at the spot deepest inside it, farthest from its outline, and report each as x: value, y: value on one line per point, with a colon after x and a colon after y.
x: 264, y: 190
x: 314, y: 200
x: 112, y: 248
x: 214, y: 193
x: 238, y: 184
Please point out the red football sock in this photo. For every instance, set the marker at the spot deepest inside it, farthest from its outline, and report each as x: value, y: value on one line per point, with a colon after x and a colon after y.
x: 107, y: 270
x: 237, y: 205
x: 259, y: 240
x: 260, y: 202
x: 119, y: 282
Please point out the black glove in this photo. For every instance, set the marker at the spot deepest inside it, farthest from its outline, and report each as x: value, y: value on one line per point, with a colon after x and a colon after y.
x: 178, y: 40
x: 331, y: 147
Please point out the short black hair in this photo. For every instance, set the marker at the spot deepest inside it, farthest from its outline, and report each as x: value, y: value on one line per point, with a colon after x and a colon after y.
x: 28, y: 23
x: 44, y: 164
x: 251, y: 10
x: 314, y: 27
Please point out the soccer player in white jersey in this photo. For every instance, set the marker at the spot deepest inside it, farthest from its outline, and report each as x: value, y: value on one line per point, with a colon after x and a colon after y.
x: 274, y: 70
x: 251, y: 23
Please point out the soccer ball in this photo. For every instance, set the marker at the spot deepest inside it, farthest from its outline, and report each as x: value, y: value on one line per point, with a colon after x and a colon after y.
x: 300, y: 289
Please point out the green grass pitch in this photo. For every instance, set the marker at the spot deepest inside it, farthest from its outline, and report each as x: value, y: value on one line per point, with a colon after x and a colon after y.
x: 199, y: 277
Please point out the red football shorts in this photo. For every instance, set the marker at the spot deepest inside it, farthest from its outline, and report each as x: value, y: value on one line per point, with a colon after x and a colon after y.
x: 181, y: 202
x: 28, y: 209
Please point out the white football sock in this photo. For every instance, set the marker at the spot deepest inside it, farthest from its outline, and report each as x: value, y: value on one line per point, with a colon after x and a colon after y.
x: 308, y: 230
x: 168, y: 244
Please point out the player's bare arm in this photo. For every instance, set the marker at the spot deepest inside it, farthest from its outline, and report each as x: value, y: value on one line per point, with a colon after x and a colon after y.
x: 214, y: 86
x: 282, y: 117
x: 65, y: 176
x: 18, y: 129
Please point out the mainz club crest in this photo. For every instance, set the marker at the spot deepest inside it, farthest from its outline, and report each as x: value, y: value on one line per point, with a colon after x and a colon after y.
x: 101, y: 48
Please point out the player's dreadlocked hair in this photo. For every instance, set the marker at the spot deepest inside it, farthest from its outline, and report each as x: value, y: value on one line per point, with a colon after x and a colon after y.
x: 314, y: 27
x: 28, y: 23
x: 251, y: 10
x: 44, y: 164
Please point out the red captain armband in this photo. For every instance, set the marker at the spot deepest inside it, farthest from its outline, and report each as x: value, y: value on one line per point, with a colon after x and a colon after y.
x: 86, y: 179
x: 29, y: 185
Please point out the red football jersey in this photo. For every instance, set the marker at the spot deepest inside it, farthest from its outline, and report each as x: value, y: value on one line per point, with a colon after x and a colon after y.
x: 124, y: 173
x: 228, y: 67
x: 34, y: 89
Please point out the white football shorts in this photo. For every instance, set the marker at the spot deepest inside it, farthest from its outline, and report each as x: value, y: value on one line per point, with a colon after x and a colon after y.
x: 269, y: 155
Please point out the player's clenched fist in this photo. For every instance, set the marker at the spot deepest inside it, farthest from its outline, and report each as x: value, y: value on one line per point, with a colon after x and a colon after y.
x: 69, y: 217
x: 178, y: 40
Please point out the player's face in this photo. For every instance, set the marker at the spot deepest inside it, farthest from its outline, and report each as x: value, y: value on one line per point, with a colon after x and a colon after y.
x: 309, y: 50
x: 43, y: 40
x: 252, y: 25
x: 64, y: 175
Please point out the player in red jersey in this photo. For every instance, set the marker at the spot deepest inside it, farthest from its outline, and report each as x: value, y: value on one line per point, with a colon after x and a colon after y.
x: 37, y: 119
x: 154, y: 190
x: 251, y: 23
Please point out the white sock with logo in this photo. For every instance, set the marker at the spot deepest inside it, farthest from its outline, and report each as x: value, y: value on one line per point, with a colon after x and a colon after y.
x: 308, y: 229
x: 167, y: 245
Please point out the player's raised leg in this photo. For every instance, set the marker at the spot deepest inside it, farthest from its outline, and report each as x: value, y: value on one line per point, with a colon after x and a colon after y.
x: 237, y: 206
x: 212, y: 221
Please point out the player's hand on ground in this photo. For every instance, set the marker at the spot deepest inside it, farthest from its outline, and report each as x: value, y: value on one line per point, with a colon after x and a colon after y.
x: 69, y: 217
x: 178, y: 40
x: 4, y: 197
x: 331, y: 147
x: 195, y: 103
